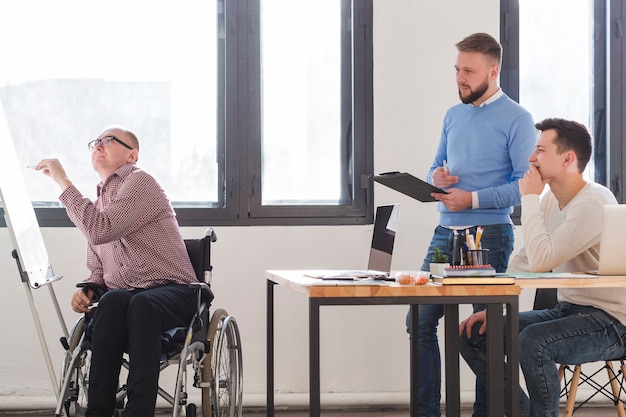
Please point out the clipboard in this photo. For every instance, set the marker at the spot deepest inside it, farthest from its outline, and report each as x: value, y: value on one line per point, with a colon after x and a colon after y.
x: 409, y: 185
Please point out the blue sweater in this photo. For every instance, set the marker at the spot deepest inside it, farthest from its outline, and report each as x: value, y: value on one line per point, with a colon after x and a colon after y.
x: 487, y: 148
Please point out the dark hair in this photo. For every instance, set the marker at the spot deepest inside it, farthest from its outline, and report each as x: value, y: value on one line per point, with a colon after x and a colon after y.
x: 483, y: 43
x: 570, y: 136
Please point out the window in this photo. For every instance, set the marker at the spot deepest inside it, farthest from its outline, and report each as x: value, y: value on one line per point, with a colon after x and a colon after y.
x: 315, y: 131
x: 571, y: 67
x: 244, y: 115
x: 570, y: 93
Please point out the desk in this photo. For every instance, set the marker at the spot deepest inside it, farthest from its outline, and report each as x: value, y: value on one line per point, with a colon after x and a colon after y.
x: 321, y: 293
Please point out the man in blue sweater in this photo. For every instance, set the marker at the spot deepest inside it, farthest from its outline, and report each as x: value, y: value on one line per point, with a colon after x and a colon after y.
x: 483, y: 152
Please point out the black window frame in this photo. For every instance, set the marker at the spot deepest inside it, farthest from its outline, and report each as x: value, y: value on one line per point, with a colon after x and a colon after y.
x: 609, y: 75
x: 239, y: 124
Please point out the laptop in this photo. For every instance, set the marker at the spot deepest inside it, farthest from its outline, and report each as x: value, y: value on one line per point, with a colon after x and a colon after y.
x: 611, y: 241
x: 381, y: 248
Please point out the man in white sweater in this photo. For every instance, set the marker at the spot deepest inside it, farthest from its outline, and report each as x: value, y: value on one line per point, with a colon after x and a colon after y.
x: 561, y: 233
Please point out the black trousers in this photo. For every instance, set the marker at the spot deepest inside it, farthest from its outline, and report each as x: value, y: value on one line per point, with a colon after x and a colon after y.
x: 132, y: 321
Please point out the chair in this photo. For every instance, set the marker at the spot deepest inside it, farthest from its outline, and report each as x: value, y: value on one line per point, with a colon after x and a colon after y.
x: 212, y: 347
x: 574, y: 378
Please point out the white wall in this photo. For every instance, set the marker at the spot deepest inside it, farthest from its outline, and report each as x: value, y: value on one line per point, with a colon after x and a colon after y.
x: 364, y: 349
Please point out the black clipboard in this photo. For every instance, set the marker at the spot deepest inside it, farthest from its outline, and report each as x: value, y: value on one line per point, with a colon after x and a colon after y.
x: 409, y: 185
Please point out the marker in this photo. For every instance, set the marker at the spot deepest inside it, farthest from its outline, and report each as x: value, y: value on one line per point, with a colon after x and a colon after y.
x: 445, y: 167
x: 31, y: 166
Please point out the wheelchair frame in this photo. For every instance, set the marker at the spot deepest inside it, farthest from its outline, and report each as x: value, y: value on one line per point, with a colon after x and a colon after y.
x: 213, y: 351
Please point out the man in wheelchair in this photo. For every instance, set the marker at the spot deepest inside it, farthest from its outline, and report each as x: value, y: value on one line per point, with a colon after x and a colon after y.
x: 136, y: 253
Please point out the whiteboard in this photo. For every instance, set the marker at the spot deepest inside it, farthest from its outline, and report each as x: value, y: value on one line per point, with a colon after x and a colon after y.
x: 19, y: 214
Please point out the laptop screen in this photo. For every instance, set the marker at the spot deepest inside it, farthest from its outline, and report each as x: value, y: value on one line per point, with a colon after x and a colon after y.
x: 612, y: 239
x: 385, y: 227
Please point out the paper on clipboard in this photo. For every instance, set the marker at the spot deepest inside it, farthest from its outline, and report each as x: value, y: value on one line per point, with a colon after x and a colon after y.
x: 407, y: 184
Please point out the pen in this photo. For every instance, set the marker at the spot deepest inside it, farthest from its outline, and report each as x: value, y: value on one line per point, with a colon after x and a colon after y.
x: 445, y: 167
x: 472, y: 244
x: 479, y: 234
x: 31, y: 166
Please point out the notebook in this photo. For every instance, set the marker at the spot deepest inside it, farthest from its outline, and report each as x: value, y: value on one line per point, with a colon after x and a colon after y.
x: 611, y: 241
x: 381, y: 248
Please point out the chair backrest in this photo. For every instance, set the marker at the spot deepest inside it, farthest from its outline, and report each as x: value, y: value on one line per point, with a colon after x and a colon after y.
x: 545, y: 298
x: 199, y: 251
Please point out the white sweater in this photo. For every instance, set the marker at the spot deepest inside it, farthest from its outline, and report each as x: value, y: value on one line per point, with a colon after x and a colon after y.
x: 568, y: 240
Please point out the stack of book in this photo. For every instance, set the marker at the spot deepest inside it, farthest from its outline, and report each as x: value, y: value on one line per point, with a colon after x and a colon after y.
x: 469, y: 271
x: 473, y: 274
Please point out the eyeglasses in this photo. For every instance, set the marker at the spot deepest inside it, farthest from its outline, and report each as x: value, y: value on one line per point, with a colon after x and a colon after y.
x: 105, y: 141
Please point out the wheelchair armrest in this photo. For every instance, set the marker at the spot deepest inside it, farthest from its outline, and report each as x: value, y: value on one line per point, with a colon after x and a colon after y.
x: 200, y: 286
x: 205, y: 295
x: 98, y: 289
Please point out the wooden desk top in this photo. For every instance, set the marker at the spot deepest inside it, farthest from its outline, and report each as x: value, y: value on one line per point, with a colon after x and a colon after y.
x: 315, y: 287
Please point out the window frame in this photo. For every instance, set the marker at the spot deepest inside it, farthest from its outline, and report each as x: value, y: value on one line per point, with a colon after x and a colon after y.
x: 609, y: 70
x: 239, y: 128
x: 356, y: 205
x: 617, y: 91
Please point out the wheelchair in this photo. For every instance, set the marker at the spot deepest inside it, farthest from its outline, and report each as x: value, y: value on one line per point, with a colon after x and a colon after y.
x: 212, y: 348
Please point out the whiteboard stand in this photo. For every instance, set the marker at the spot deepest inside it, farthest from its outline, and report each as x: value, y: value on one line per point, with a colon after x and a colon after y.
x: 38, y: 327
x: 29, y: 250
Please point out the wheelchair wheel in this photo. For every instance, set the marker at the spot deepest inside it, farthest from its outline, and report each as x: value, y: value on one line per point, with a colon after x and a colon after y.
x: 223, y: 368
x: 77, y: 370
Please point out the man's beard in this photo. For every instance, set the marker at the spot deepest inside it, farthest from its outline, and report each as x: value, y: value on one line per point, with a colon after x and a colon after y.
x: 474, y: 94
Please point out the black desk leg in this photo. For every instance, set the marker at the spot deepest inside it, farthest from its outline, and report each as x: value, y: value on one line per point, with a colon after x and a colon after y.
x: 270, y: 348
x: 314, y: 358
x: 495, y: 360
x: 512, y: 351
x: 413, y: 360
x: 453, y: 390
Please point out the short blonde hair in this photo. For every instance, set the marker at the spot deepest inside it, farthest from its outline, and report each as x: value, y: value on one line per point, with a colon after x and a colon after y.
x: 483, y: 43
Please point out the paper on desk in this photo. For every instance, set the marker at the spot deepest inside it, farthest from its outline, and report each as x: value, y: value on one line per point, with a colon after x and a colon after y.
x: 330, y: 274
x: 537, y: 275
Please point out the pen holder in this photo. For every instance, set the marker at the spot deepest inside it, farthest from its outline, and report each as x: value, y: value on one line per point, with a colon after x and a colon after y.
x: 458, y: 249
x: 477, y: 257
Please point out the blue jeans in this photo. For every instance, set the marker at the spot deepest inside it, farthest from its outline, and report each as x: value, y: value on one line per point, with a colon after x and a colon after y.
x: 499, y: 240
x: 567, y: 334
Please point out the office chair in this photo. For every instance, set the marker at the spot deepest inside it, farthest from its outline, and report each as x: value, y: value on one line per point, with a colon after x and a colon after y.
x: 574, y: 377
x: 212, y: 347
